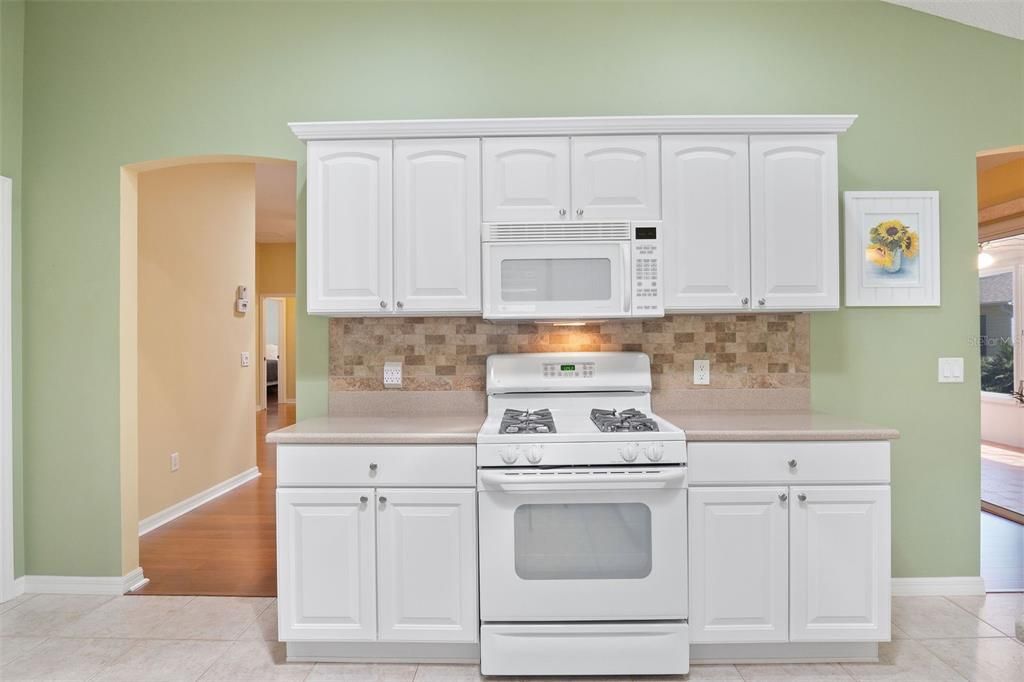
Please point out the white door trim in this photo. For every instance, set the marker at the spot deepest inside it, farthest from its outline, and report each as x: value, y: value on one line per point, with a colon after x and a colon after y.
x: 7, y: 586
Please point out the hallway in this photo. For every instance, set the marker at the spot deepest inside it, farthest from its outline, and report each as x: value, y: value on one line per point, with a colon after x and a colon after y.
x: 227, y: 546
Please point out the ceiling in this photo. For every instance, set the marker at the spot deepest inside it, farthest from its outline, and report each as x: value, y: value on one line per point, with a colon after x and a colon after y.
x: 1005, y: 17
x: 275, y: 203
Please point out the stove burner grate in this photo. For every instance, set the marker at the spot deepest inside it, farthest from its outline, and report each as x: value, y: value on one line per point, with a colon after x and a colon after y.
x: 525, y: 421
x: 611, y: 421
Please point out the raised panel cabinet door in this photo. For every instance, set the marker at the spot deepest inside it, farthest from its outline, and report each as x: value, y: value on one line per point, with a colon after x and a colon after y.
x: 326, y: 558
x: 349, y: 223
x: 794, y: 222
x: 437, y: 225
x: 705, y: 233
x: 840, y: 564
x: 738, y: 564
x: 525, y: 179
x: 616, y: 178
x: 427, y: 563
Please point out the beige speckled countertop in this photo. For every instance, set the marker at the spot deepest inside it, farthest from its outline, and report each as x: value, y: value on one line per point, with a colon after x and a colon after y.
x: 747, y: 425
x: 418, y: 430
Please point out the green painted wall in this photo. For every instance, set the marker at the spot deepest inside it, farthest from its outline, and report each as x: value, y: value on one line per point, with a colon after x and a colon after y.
x: 110, y: 84
x: 12, y: 49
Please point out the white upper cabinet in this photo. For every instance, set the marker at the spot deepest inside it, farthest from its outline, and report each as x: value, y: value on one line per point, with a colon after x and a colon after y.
x: 616, y: 178
x: 437, y: 226
x: 840, y: 564
x: 526, y: 179
x: 706, y: 230
x: 349, y: 226
x: 427, y: 563
x: 738, y: 564
x: 326, y: 576
x: 794, y: 222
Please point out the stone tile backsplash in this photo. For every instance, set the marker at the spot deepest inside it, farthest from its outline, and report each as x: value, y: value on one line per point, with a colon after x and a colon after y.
x: 449, y: 353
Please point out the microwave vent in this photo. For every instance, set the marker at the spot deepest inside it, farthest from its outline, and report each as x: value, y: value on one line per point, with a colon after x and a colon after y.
x: 555, y: 232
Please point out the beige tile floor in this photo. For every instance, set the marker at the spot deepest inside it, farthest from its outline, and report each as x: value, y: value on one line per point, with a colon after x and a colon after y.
x: 151, y: 639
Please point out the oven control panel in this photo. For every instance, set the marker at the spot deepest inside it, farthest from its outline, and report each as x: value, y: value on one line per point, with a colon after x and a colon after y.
x: 560, y: 370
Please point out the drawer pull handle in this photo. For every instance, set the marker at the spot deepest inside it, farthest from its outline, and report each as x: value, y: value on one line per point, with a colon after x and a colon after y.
x: 783, y: 497
x: 373, y: 467
x: 801, y: 497
x: 792, y: 464
x: 364, y: 499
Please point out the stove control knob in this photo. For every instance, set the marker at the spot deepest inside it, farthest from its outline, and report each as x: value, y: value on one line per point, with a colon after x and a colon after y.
x: 655, y: 452
x: 535, y: 454
x: 629, y: 452
x: 508, y: 455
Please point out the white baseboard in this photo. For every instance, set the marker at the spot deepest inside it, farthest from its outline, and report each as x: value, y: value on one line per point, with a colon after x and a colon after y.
x: 185, y: 506
x: 289, y: 401
x: 938, y: 587
x: 19, y: 586
x: 77, y: 584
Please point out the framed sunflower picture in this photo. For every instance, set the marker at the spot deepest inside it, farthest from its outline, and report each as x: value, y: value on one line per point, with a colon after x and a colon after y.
x: 892, y: 248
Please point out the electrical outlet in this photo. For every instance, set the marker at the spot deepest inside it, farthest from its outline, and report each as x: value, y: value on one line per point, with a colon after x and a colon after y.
x: 245, y: 358
x: 175, y: 461
x: 701, y: 372
x: 393, y: 374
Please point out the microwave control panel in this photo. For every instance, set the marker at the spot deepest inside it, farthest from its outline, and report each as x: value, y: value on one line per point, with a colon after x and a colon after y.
x: 646, y: 265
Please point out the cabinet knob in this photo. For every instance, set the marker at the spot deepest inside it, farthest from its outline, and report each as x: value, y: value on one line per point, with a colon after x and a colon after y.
x: 383, y: 304
x: 783, y: 497
x: 744, y: 300
x: 760, y: 301
x: 579, y: 211
x: 801, y: 497
x: 364, y: 499
x: 399, y: 305
x: 792, y: 464
x: 382, y: 499
x: 562, y: 212
x: 373, y: 467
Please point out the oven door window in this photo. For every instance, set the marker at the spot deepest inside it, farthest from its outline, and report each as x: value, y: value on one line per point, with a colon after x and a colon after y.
x: 600, y: 541
x: 544, y: 280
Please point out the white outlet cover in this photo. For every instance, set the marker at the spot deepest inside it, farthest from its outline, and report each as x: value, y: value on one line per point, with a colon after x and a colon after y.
x: 951, y: 370
x: 393, y: 374
x: 701, y: 372
x: 175, y: 461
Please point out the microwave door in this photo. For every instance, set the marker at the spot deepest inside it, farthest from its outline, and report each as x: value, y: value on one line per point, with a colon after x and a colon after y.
x: 556, y: 280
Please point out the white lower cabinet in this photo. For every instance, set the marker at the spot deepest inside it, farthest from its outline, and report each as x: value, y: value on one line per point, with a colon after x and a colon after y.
x: 326, y: 564
x: 738, y: 565
x: 426, y: 549
x: 789, y: 563
x: 839, y: 564
x: 377, y: 564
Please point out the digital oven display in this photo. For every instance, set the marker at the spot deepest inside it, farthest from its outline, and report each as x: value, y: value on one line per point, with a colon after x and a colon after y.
x: 646, y: 233
x: 568, y: 368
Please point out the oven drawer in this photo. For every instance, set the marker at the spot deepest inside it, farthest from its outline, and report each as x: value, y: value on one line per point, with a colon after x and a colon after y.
x: 376, y: 465
x: 585, y: 649
x: 782, y: 463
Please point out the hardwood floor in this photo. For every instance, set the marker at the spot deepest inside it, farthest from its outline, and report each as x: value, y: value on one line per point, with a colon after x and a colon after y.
x: 227, y: 546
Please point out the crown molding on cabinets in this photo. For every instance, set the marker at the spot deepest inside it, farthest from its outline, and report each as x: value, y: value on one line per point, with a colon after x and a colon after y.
x: 583, y: 125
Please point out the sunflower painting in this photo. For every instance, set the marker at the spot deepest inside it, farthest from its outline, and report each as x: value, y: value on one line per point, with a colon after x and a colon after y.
x: 892, y: 243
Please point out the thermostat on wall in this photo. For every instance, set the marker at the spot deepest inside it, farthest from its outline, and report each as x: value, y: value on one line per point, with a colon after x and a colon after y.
x: 242, y: 299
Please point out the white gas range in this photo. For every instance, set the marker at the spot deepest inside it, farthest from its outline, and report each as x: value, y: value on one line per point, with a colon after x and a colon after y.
x: 582, y: 520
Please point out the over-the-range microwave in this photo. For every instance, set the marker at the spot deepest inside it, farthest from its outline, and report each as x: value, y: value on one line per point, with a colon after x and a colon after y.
x: 577, y: 271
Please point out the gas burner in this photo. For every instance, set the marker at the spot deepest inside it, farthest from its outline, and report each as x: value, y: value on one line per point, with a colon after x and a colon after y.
x: 627, y: 420
x: 525, y: 421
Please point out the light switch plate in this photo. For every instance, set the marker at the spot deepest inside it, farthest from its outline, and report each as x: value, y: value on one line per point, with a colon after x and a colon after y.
x: 175, y: 461
x: 393, y: 374
x: 951, y: 370
x: 701, y: 372
x: 245, y: 358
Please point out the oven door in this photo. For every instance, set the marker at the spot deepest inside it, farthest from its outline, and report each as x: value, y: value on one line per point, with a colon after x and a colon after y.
x: 582, y: 544
x: 556, y: 280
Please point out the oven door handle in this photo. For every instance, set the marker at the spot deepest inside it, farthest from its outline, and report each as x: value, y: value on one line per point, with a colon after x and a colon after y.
x: 581, y: 480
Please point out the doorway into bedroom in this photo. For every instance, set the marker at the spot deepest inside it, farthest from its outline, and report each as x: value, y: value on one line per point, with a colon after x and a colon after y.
x: 278, y: 339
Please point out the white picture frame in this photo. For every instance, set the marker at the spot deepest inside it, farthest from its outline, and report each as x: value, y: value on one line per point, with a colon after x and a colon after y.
x: 879, y: 273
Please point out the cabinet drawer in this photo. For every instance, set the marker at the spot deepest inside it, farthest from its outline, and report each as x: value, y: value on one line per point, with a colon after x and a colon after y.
x: 376, y: 465
x: 769, y: 462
